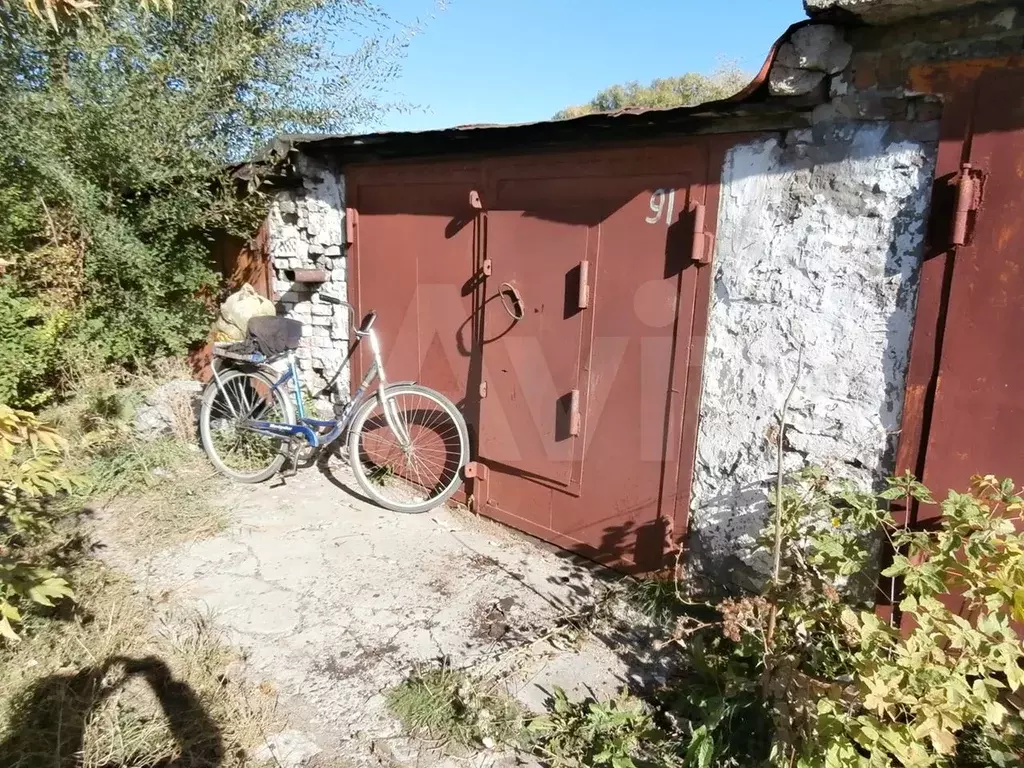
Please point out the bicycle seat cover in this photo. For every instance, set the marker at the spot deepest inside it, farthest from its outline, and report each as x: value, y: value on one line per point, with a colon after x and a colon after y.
x: 275, y: 335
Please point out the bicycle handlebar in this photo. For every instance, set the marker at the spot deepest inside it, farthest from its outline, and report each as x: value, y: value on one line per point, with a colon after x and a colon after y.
x: 368, y: 321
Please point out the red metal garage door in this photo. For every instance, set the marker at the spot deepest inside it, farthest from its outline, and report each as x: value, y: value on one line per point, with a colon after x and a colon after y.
x: 560, y: 313
x: 978, y: 412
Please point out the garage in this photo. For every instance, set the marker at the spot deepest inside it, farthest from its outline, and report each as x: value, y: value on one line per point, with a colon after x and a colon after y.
x: 559, y: 299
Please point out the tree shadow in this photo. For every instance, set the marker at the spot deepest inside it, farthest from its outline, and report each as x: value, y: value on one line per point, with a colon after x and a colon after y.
x: 51, y: 717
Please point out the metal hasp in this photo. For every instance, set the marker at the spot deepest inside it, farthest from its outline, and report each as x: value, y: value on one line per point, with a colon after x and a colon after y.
x: 703, y: 241
x: 968, y: 200
x: 474, y: 200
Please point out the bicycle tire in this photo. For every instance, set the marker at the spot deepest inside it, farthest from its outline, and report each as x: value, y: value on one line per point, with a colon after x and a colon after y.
x: 459, y: 459
x: 281, y: 399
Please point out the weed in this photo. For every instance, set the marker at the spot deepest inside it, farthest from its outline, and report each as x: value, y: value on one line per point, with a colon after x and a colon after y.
x: 453, y: 708
x: 588, y: 733
x: 657, y: 599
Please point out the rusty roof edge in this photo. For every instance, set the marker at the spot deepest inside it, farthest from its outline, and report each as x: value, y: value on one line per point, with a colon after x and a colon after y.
x: 753, y: 98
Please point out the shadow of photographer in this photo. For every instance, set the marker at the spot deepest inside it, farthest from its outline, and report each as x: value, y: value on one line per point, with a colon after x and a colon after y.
x: 48, y: 725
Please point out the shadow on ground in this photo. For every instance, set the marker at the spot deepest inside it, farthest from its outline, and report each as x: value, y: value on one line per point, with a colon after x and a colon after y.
x: 48, y: 724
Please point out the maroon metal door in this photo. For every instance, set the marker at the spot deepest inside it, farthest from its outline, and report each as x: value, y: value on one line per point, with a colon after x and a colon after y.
x: 582, y: 421
x: 415, y: 246
x: 577, y: 408
x: 978, y: 412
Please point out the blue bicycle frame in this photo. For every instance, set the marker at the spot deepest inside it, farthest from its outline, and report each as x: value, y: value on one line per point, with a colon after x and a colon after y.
x: 310, y: 429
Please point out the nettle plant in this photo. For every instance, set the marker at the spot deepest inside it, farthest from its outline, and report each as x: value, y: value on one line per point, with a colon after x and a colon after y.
x: 32, y: 477
x: 839, y: 685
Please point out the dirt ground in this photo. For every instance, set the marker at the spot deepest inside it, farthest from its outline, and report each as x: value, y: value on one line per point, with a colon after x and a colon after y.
x: 333, y: 601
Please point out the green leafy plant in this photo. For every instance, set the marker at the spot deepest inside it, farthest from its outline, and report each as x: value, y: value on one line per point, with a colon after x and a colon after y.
x: 588, y: 733
x: 31, y: 475
x: 839, y: 685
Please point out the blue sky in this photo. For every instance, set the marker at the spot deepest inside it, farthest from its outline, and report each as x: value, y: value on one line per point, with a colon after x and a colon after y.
x: 507, y: 61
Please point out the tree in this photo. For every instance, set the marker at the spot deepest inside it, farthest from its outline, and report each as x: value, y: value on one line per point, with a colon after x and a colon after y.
x: 114, y: 137
x: 682, y: 91
x: 53, y: 9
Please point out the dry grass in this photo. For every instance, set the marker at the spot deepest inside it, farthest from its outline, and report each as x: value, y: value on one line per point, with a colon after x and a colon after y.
x: 158, y: 494
x: 122, y: 681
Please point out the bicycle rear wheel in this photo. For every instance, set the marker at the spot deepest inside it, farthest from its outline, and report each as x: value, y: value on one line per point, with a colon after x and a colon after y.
x: 234, y: 448
x: 428, y: 469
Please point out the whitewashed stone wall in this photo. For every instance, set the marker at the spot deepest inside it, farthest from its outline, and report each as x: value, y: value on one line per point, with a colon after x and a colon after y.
x: 307, y: 231
x: 820, y: 237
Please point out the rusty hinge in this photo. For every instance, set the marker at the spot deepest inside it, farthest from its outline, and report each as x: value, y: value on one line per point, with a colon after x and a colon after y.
x: 476, y: 471
x: 574, y: 413
x: 969, y: 186
x: 487, y: 267
x: 583, y: 300
x: 350, y: 225
x: 483, y: 389
x: 703, y: 241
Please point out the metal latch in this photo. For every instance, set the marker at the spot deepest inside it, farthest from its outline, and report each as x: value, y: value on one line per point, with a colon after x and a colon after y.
x: 475, y: 201
x: 487, y: 267
x: 969, y: 187
x: 703, y: 241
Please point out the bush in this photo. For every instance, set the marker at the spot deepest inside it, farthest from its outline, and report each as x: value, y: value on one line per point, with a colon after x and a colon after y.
x: 821, y: 680
x: 119, y: 127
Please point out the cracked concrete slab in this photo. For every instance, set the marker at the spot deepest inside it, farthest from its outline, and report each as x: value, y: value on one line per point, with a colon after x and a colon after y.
x: 334, y: 600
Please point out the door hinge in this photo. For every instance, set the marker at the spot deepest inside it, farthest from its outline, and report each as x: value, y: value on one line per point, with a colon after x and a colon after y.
x: 483, y: 389
x: 574, y: 413
x: 969, y: 186
x: 476, y: 471
x: 583, y: 300
x: 703, y: 241
x: 351, y: 217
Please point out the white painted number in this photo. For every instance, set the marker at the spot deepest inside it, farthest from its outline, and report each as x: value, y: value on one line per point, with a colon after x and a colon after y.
x: 658, y: 200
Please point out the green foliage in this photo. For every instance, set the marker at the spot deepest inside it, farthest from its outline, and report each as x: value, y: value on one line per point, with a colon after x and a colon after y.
x: 452, y: 707
x: 682, y: 91
x: 592, y: 733
x: 838, y: 686
x: 118, y: 128
x: 32, y: 476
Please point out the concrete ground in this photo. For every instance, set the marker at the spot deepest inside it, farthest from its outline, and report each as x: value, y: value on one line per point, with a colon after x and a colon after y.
x: 334, y: 600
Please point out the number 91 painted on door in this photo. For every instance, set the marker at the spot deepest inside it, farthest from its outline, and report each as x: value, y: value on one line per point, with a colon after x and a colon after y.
x: 663, y: 203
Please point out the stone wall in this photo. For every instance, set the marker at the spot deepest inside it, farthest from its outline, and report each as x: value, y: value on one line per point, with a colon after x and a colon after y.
x: 307, y: 232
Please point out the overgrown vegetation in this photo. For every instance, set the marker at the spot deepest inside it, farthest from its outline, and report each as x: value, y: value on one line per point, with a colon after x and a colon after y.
x: 118, y: 127
x: 807, y: 673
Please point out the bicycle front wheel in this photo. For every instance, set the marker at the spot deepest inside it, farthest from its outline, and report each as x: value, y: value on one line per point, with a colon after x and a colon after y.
x: 234, y: 448
x: 415, y: 471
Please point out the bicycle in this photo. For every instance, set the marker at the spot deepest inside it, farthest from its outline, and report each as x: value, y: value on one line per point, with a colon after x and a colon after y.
x: 250, y: 424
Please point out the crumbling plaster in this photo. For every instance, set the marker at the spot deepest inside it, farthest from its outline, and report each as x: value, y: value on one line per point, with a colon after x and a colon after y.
x: 820, y: 237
